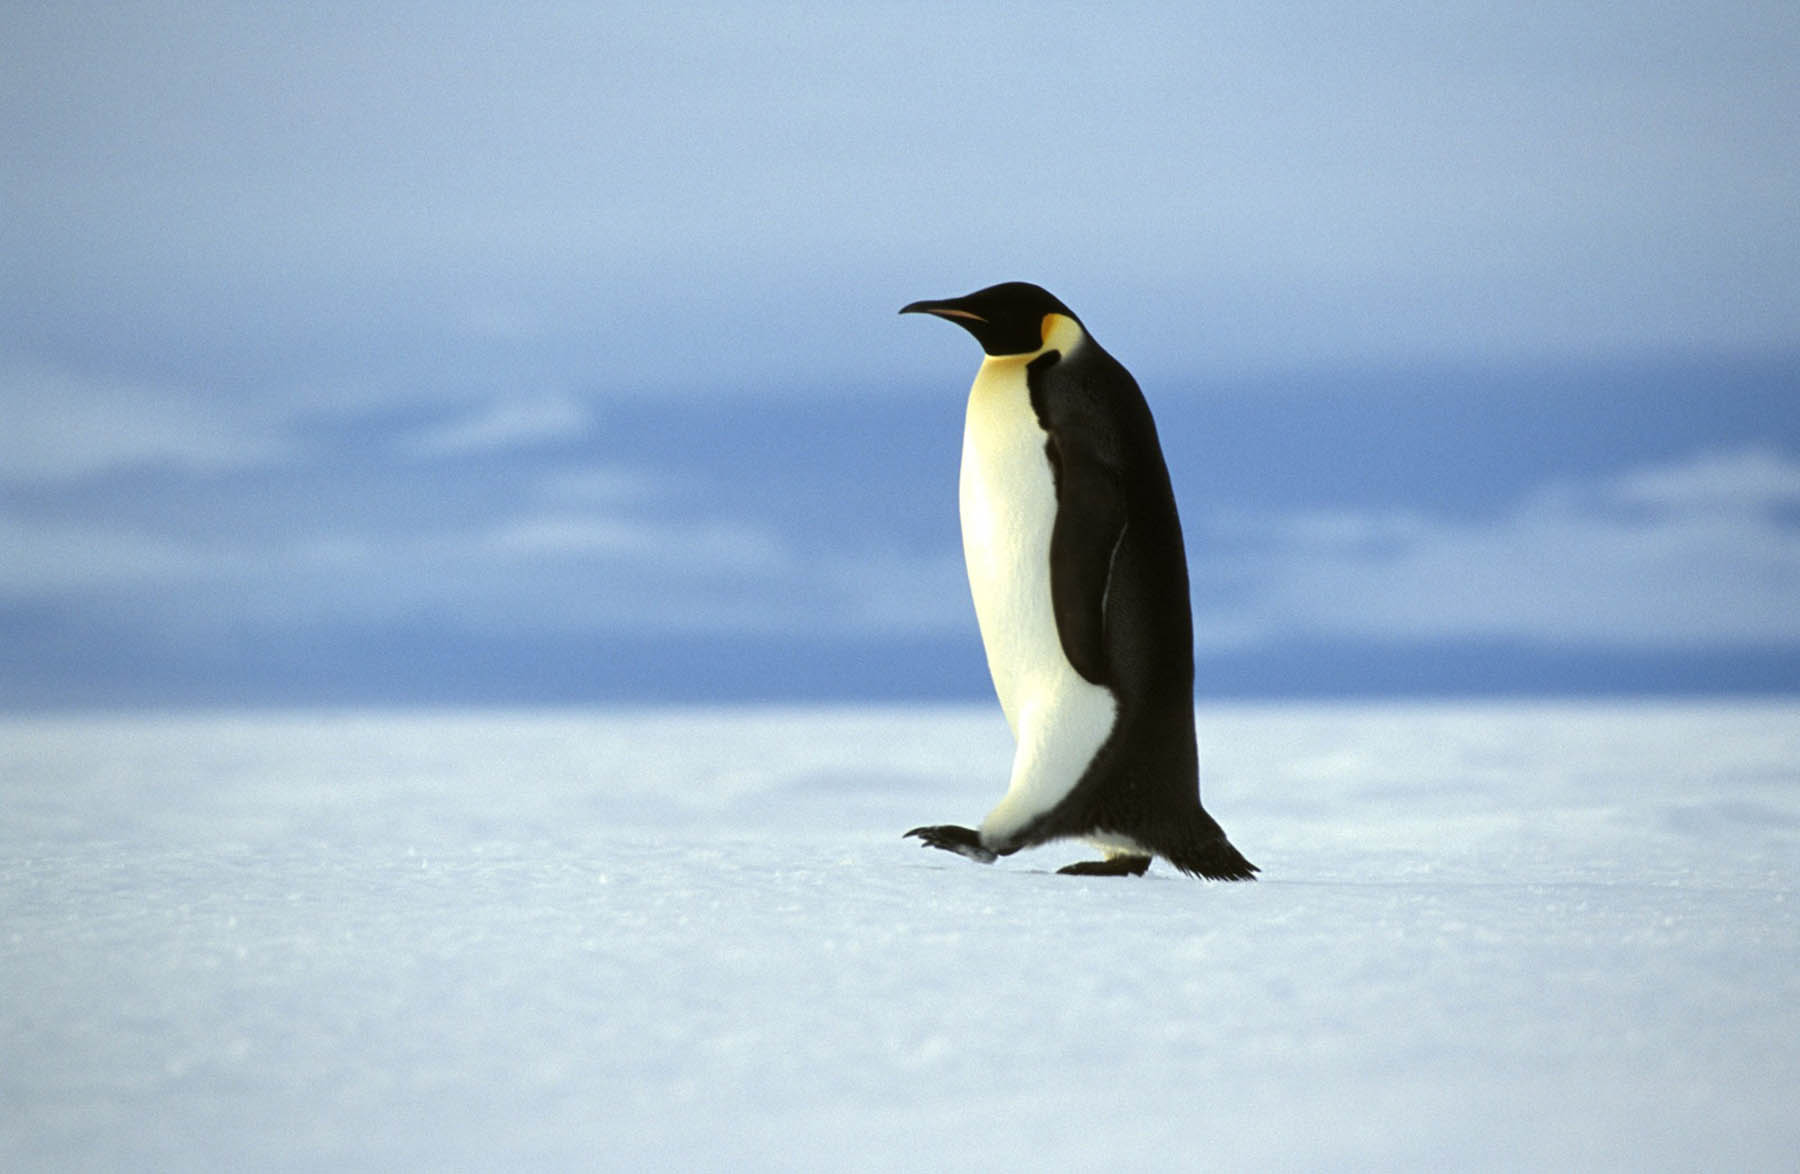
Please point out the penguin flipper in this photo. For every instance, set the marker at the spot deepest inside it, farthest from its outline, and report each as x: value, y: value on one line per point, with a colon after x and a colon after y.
x: 1090, y: 525
x: 951, y: 838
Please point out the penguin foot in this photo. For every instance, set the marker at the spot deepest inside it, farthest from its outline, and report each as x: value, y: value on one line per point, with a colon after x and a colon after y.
x: 1111, y: 866
x: 960, y: 840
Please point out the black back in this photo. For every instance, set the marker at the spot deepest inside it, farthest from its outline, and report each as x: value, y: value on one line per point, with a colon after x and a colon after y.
x: 1119, y: 587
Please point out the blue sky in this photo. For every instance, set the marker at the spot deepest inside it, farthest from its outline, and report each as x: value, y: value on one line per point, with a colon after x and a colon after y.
x: 438, y: 353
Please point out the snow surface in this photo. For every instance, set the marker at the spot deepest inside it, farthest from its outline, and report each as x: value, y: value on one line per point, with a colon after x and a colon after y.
x: 1488, y: 937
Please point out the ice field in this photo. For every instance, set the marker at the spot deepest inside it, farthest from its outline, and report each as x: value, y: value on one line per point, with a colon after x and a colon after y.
x: 1489, y: 937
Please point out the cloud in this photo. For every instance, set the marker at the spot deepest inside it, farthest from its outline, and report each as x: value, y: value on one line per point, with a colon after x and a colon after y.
x: 504, y: 424
x: 897, y: 592
x: 1751, y: 479
x: 1701, y: 552
x: 1682, y: 555
x: 611, y: 485
x: 61, y: 426
x: 529, y: 573
x: 345, y: 187
x: 536, y: 570
x: 53, y: 559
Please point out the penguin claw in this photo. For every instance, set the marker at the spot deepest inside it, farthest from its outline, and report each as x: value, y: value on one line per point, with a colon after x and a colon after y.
x: 960, y: 840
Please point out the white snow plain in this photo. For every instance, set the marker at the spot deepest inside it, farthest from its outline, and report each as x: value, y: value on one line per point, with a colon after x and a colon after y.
x: 1487, y: 937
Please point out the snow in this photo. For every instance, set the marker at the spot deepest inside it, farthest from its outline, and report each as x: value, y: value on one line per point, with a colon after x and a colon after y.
x: 1489, y: 937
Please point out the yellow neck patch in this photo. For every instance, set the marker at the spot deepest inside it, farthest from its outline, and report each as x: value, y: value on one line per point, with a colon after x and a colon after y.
x: 1060, y: 333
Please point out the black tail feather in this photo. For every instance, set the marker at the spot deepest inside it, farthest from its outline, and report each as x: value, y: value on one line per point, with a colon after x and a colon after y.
x: 1215, y: 859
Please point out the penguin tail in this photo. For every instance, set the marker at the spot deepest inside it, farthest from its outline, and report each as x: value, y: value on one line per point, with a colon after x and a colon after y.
x: 1213, y: 858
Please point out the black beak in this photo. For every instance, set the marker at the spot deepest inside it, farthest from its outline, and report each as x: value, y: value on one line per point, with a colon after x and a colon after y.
x: 949, y: 308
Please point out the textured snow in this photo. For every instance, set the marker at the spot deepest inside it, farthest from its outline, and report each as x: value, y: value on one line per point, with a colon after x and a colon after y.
x: 1488, y: 937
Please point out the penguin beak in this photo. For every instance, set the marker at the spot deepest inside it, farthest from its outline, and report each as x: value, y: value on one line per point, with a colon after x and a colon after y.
x: 942, y: 310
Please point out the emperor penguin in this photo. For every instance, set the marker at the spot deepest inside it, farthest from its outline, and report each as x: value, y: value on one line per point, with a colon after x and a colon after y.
x: 1080, y: 582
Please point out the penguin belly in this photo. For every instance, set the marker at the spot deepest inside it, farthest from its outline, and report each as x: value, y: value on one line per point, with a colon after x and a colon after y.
x: 1007, y: 496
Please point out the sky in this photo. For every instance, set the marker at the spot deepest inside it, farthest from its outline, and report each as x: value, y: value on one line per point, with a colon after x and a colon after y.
x: 452, y: 353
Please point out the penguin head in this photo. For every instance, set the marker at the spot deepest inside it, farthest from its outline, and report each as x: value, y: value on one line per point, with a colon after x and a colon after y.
x: 1013, y: 318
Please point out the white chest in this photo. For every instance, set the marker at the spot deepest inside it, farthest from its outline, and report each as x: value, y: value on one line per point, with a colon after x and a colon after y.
x: 1008, y: 501
x: 1059, y: 720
